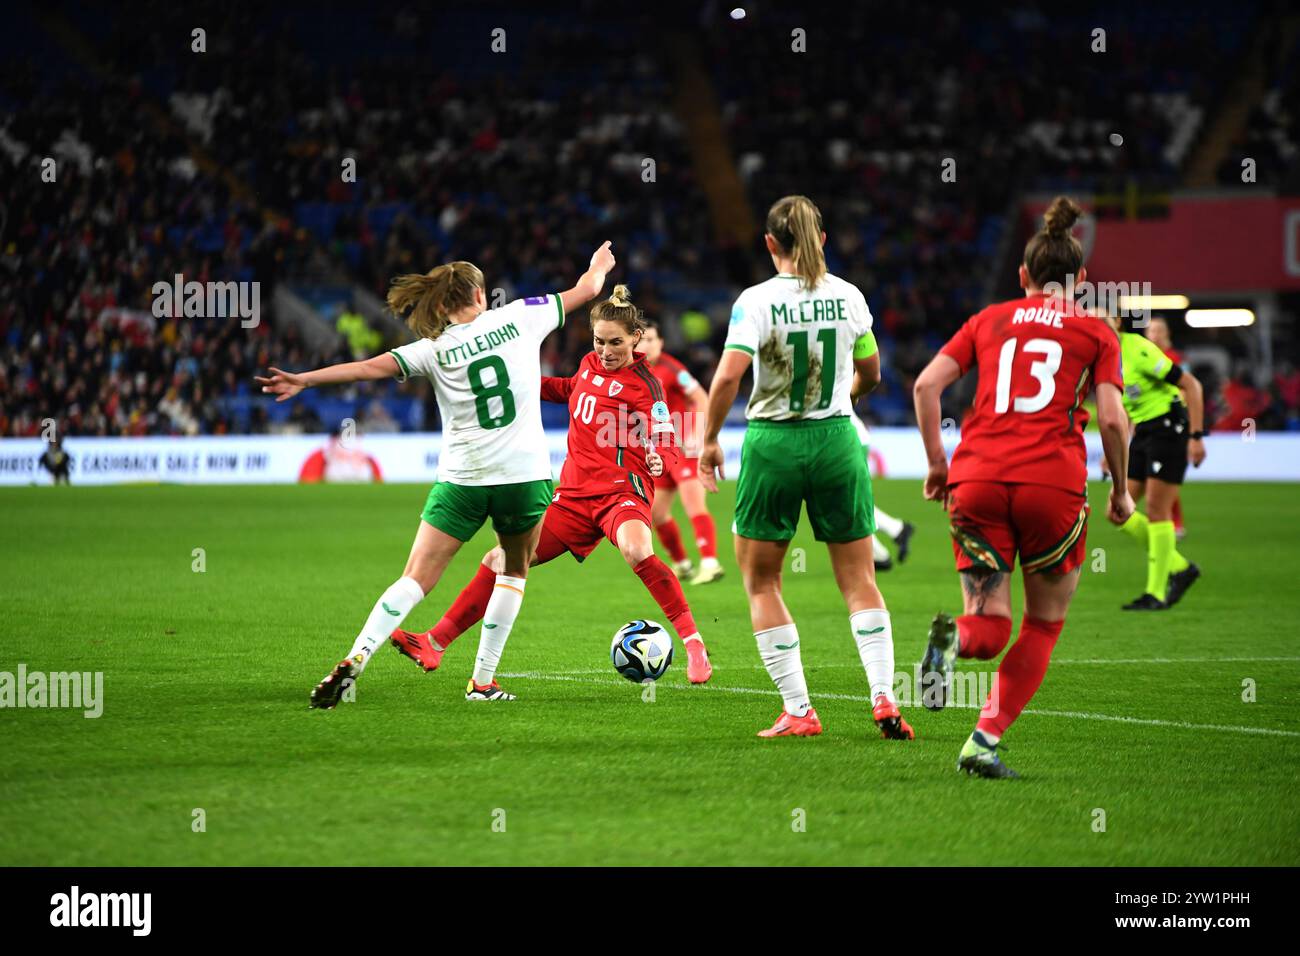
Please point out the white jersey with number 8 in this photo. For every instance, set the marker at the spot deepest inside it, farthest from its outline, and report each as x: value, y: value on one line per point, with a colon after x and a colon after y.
x: 488, y: 380
x: 802, y: 342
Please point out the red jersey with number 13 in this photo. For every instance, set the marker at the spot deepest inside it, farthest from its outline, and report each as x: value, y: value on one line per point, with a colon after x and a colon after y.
x: 1037, y: 359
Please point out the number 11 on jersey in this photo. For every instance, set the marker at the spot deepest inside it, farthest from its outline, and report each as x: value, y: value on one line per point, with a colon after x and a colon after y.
x: 798, y: 341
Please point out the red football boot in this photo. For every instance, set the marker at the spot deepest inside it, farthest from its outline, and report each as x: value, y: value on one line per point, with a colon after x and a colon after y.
x: 417, y: 647
x: 787, y: 725
x: 698, y: 668
x: 890, y: 721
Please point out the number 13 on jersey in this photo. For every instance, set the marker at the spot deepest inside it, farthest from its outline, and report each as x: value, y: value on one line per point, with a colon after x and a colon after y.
x: 1043, y: 370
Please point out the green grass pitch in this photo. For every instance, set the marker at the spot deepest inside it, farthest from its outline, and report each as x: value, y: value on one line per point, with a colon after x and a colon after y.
x: 206, y: 677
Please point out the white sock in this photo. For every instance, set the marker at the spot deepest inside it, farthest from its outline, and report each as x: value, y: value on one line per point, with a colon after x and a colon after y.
x: 388, y: 613
x: 888, y: 524
x: 879, y: 550
x: 708, y: 563
x: 498, y: 619
x: 779, y: 649
x: 875, y: 639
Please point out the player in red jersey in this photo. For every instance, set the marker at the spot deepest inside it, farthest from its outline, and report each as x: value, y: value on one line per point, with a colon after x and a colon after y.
x: 621, y: 439
x: 688, y: 405
x: 1018, y: 480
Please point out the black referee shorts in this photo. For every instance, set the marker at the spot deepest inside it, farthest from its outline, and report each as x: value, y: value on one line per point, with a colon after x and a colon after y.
x: 1159, y: 448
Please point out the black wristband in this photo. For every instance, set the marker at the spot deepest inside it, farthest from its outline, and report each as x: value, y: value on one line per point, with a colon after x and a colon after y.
x: 1196, y: 436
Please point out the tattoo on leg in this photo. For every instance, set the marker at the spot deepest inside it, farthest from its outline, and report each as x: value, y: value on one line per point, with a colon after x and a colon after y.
x: 980, y: 585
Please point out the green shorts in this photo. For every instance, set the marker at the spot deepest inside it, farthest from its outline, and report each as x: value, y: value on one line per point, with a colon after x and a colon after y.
x: 460, y: 510
x: 818, y: 461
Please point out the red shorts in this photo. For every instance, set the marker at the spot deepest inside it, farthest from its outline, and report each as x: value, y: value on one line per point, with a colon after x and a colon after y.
x: 685, y: 470
x: 992, y: 522
x: 580, y: 523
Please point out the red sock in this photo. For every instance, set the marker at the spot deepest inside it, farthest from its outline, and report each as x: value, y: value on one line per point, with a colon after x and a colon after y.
x: 1178, y: 513
x: 667, y: 592
x: 1019, y: 674
x: 982, y: 637
x: 706, y: 537
x: 467, y: 610
x: 471, y: 604
x: 671, y: 536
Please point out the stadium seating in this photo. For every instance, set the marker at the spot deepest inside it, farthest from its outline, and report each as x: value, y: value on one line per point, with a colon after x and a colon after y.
x: 227, y: 165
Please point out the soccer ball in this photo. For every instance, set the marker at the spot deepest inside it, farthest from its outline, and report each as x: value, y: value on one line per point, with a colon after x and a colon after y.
x: 642, y: 651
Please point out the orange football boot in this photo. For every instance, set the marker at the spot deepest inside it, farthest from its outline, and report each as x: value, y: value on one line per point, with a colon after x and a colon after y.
x: 787, y: 725
x: 890, y: 721
x: 698, y: 668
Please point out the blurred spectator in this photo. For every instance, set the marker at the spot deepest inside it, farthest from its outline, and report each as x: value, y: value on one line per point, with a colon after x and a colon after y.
x: 1287, y: 384
x: 363, y: 341
x: 1243, y: 404
x: 1157, y: 332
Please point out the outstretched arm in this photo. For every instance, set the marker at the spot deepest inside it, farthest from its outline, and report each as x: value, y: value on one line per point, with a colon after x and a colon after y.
x: 592, y: 281
x: 285, y: 385
x: 556, y: 388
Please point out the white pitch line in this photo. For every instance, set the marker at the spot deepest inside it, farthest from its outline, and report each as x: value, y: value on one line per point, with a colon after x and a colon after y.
x: 1081, y: 715
x: 1178, y: 660
x: 713, y: 687
x: 1088, y: 660
x: 1150, y: 722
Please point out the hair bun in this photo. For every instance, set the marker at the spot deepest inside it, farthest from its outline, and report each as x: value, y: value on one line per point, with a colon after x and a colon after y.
x: 1061, y: 216
x: 620, y: 297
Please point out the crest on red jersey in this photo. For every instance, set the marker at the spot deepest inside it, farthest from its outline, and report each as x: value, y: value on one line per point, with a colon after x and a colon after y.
x: 615, y: 388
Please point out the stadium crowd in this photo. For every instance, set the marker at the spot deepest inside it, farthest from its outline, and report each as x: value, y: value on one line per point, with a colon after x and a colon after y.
x: 229, y: 167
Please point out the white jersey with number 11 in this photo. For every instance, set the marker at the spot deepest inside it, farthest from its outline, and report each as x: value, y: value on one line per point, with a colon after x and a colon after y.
x: 802, y: 342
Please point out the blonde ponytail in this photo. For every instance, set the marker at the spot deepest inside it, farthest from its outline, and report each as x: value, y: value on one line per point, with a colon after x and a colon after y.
x: 619, y: 308
x: 432, y: 298
x: 795, y: 223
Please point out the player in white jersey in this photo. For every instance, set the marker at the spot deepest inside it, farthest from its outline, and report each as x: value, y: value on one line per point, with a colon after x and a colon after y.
x: 807, y: 335
x: 896, y: 528
x: 486, y: 374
